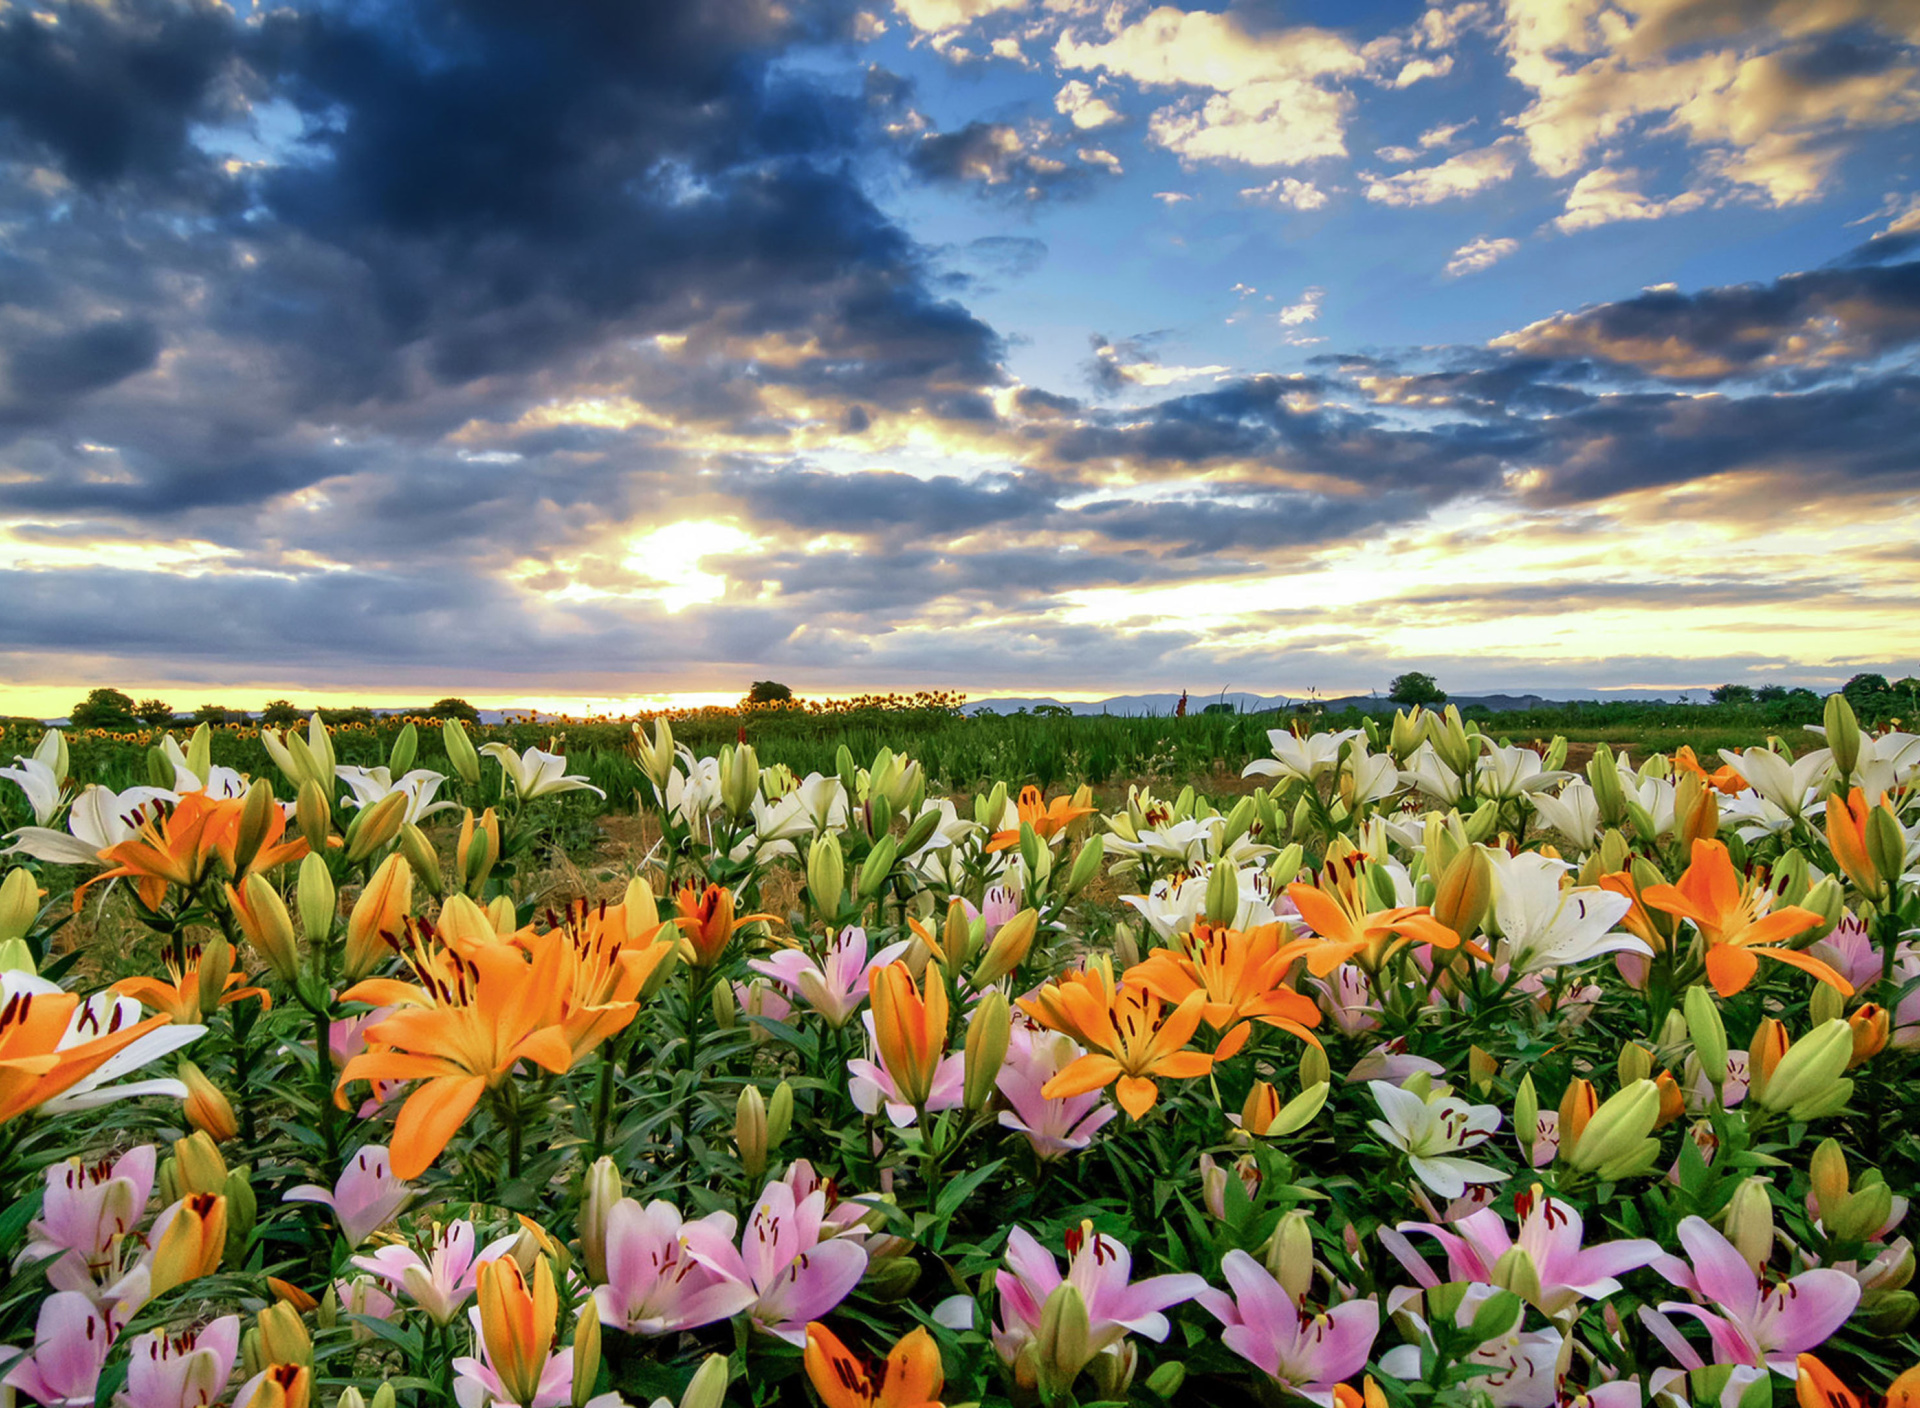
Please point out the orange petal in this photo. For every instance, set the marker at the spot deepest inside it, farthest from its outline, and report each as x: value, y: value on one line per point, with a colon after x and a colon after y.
x: 431, y: 1116
x: 1136, y: 1095
x: 1088, y: 1073
x: 1730, y: 968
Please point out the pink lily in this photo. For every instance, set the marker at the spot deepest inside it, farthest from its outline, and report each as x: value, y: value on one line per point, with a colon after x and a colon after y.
x: 1849, y: 951
x: 796, y: 1277
x: 1390, y: 1061
x: 998, y: 905
x: 661, y: 1276
x: 1098, y: 1269
x: 852, y: 1218
x: 1054, y: 1128
x: 366, y: 1198
x: 364, y: 1296
x: 1347, y: 997
x: 871, y: 1086
x: 1549, y: 1237
x: 1519, y: 1364
x: 1732, y: 1091
x: 836, y: 985
x: 70, y: 1343
x: 1304, y: 1353
x: 440, y: 1282
x: 1758, y: 1324
x: 86, y: 1211
x: 186, y: 1370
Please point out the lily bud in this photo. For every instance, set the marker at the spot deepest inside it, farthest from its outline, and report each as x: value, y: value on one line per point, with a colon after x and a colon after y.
x: 726, y: 1012
x: 422, y: 859
x: 1464, y: 892
x: 373, y: 827
x: 750, y: 1131
x: 462, y: 757
x: 1167, y: 1378
x: 779, y: 1115
x: 1481, y: 1069
x: 1516, y: 1271
x: 1824, y: 1003
x: 263, y: 918
x: 1808, y: 1078
x: 1223, y: 893
x: 1673, y: 1101
x: 1086, y: 864
x: 1886, y: 842
x: 243, y: 1211
x: 603, y: 1189
x: 382, y: 909
x: 1870, y: 1027
x: 826, y: 874
x: 283, y: 1338
x: 316, y: 899
x: 1749, y: 1222
x: 256, y: 815
x: 206, y: 1108
x: 987, y: 1037
x: 501, y: 915
x: 478, y: 849
x: 191, y: 1246
x: 1617, y: 1131
x: 1828, y: 1174
x: 1526, y: 1115
x: 708, y: 1387
x: 406, y: 744
x: 1709, y: 1033
x: 216, y: 964
x: 1636, y: 1063
x: 878, y: 866
x: 739, y: 779
x: 1065, y: 1342
x: 1314, y: 1068
x: 1696, y: 811
x: 920, y: 832
x: 1791, y: 878
x: 313, y: 815
x: 1284, y: 868
x: 277, y: 1386
x: 1010, y: 946
x: 1408, y: 733
x: 1290, y: 1254
x: 1843, y: 735
x: 1770, y: 1042
x: 1484, y: 821
x: 1577, y: 1106
x: 656, y: 756
x: 19, y: 904
x: 197, y: 1166
x: 1864, y: 1213
x: 586, y: 1354
x: 1828, y: 900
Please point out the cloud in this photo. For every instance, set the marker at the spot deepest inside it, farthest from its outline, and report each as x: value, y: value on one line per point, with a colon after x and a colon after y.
x: 1605, y: 195
x: 1002, y: 159
x: 1083, y: 107
x: 1479, y: 253
x: 1288, y: 192
x: 1009, y: 256
x: 933, y: 16
x: 1268, y: 99
x: 1456, y: 177
x: 1306, y: 310
x: 1132, y: 362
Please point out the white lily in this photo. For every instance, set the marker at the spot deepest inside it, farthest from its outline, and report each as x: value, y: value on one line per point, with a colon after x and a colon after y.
x: 1432, y: 1130
x: 536, y: 773
x: 1789, y: 784
x: 52, y: 750
x: 1375, y: 775
x: 1171, y: 906
x: 694, y: 793
x: 1506, y: 773
x: 39, y: 782
x: 1427, y: 772
x: 96, y: 1017
x: 825, y: 800
x: 1757, y: 816
x: 1184, y: 841
x: 372, y: 786
x: 1304, y: 758
x: 222, y: 782
x: 99, y: 818
x: 1545, y: 926
x: 1575, y: 813
x: 1656, y: 795
x: 950, y: 830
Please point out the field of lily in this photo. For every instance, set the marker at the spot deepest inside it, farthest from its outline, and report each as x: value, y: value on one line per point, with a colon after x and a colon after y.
x: 1432, y: 1072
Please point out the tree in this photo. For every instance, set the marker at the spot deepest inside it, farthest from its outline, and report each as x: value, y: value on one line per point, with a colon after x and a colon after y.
x: 1864, y: 691
x: 104, y: 709
x: 211, y: 714
x: 279, y: 713
x: 1415, y: 688
x: 1733, y: 694
x: 156, y: 712
x: 768, y: 692
x: 451, y: 708
x: 1769, y: 693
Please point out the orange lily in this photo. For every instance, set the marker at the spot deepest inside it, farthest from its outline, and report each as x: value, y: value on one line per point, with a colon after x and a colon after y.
x: 174, y: 848
x: 184, y: 996
x: 1078, y: 991
x: 707, y: 921
x: 517, y: 1324
x: 33, y: 1067
x: 381, y: 909
x: 1726, y: 911
x: 1819, y: 1387
x: 1847, y: 839
x: 910, y: 1028
x: 1047, y: 819
x: 1722, y: 779
x: 1339, y: 910
x: 1242, y: 974
x: 1133, y: 1045
x: 603, y: 964
x: 1636, y: 921
x: 912, y: 1376
x: 461, y: 1029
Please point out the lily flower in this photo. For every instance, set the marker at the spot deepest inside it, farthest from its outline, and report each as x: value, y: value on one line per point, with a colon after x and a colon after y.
x: 71, y: 1339
x: 873, y: 1084
x: 1339, y: 909
x: 1306, y: 759
x: 835, y: 985
x: 1053, y: 1127
x: 706, y: 921
x: 1790, y: 784
x: 174, y: 849
x: 536, y: 773
x: 1726, y: 779
x: 1575, y: 813
x: 100, y: 818
x: 57, y: 1052
x: 515, y: 1325
x: 1172, y: 905
x: 365, y: 1198
x: 371, y: 786
x: 181, y: 996
x: 1185, y: 841
x: 607, y: 953
x: 40, y: 783
x: 1305, y: 1354
x: 1048, y: 819
x: 661, y: 1276
x: 460, y: 1032
x: 1131, y: 1044
x: 1734, y: 921
x: 182, y: 1369
x: 1243, y: 976
x: 1545, y: 926
x: 910, y: 1029
x: 1819, y: 1387
x: 86, y: 1212
x: 1518, y: 1368
x: 441, y: 1281
x: 796, y: 1275
x: 1432, y: 1130
x: 1544, y: 1262
x: 1757, y: 1324
x: 911, y: 1377
x: 1847, y: 839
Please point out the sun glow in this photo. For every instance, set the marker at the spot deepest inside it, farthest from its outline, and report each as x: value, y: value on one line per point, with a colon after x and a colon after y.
x: 672, y: 556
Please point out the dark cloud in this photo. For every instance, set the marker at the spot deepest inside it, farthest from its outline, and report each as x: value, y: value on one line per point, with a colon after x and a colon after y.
x: 880, y: 501
x: 1000, y: 159
x: 46, y: 370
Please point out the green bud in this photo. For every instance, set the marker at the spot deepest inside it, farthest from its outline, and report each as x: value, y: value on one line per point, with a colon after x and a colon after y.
x: 1617, y: 1128
x: 1843, y: 735
x: 1484, y: 821
x: 750, y: 1131
x: 200, y: 754
x: 313, y: 814
x: 986, y: 1051
x: 462, y: 757
x: 826, y: 874
x: 1223, y: 893
x: 779, y: 1115
x: 19, y: 904
x: 878, y: 866
x: 1086, y: 864
x: 1812, y: 1067
x: 406, y: 744
x: 1708, y: 1032
x: 708, y: 1388
x: 316, y: 899
x: 1499, y: 1315
x: 422, y: 858
x: 1065, y: 1341
x: 1748, y: 1222
x: 1886, y: 843
x: 1636, y: 1063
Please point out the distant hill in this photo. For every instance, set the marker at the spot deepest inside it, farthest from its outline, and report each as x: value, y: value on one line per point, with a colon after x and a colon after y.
x: 1160, y: 704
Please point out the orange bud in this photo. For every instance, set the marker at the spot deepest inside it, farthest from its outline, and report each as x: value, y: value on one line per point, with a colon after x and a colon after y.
x: 191, y: 1243
x: 1770, y: 1043
x: 381, y: 909
x: 292, y: 1295
x: 207, y: 1108
x: 1870, y: 1027
x: 1262, y: 1107
x: 1576, y: 1108
x: 1673, y: 1103
x: 910, y: 1028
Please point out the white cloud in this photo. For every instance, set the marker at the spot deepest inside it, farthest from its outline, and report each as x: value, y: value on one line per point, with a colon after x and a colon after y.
x: 1171, y: 197
x: 1010, y: 49
x: 1289, y: 192
x: 1307, y: 310
x: 1444, y: 136
x: 930, y: 16
x: 1399, y: 156
x: 1267, y: 100
x: 1414, y: 70
x: 1479, y: 253
x: 1096, y: 156
x: 1605, y: 195
x: 1457, y: 176
x: 1083, y: 107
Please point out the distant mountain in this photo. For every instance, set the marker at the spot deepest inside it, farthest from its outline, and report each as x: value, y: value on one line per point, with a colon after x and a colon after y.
x: 1162, y: 704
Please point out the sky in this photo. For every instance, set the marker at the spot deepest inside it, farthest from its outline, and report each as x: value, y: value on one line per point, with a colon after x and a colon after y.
x: 597, y: 353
